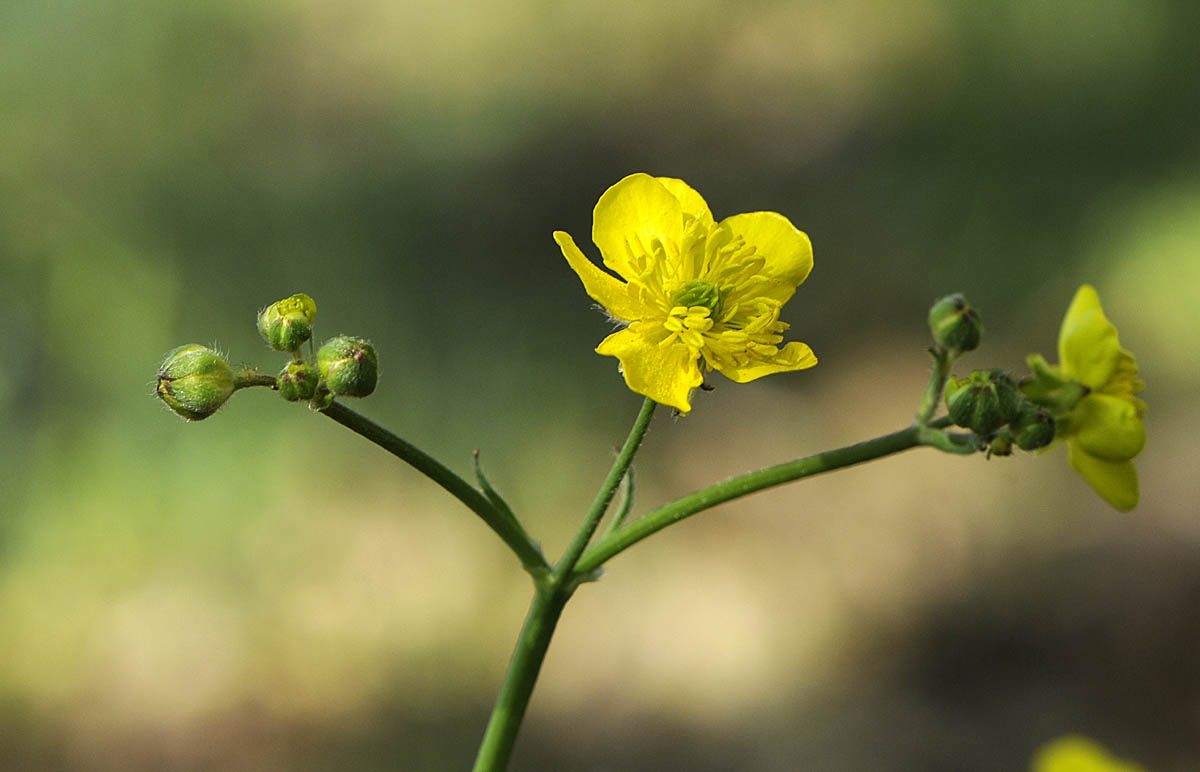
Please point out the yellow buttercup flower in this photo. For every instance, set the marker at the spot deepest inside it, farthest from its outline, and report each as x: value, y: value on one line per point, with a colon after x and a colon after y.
x: 696, y: 293
x: 1104, y: 429
x: 1075, y: 753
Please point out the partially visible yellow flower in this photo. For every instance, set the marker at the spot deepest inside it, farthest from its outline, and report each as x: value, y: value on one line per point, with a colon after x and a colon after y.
x: 1105, y: 428
x: 1075, y: 753
x: 696, y: 293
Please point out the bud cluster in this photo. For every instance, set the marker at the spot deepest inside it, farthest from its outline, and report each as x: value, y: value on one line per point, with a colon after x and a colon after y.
x: 195, y: 381
x: 987, y: 402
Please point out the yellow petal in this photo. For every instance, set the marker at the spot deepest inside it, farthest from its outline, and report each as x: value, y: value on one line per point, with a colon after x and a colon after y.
x: 786, y: 249
x: 1088, y: 350
x: 689, y: 200
x: 1116, y: 481
x: 665, y: 374
x: 635, y: 212
x: 793, y: 356
x: 1075, y: 753
x: 615, y: 295
x: 1108, y: 427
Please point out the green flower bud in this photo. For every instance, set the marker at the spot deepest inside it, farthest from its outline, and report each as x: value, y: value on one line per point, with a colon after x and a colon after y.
x: 1033, y: 427
x: 194, y: 381
x: 982, y: 402
x: 287, y: 324
x: 1001, y: 445
x: 954, y: 324
x: 298, y: 381
x: 349, y: 366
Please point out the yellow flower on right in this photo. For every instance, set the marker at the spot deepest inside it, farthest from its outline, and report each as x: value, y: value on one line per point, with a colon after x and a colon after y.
x: 1105, y: 429
x: 1075, y: 753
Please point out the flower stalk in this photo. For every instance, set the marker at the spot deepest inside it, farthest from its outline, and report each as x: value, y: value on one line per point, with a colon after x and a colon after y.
x: 551, y: 595
x: 943, y: 359
x: 250, y: 377
x: 564, y: 568
x: 751, y: 482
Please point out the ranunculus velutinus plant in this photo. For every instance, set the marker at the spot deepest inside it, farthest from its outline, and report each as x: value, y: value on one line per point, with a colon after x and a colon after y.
x: 694, y: 295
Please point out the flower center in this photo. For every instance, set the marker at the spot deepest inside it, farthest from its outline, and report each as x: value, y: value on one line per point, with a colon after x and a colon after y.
x: 701, y: 292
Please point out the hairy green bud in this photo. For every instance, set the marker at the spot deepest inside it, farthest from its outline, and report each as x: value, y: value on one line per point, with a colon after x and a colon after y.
x: 982, y: 402
x: 955, y: 324
x: 287, y: 324
x: 349, y: 366
x: 1033, y: 427
x: 194, y: 381
x: 298, y: 381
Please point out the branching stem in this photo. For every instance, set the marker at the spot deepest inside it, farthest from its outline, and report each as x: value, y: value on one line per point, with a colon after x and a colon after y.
x: 752, y: 482
x: 505, y: 526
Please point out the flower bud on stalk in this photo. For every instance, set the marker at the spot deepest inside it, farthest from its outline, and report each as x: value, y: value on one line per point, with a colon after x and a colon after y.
x: 349, y: 366
x: 982, y: 402
x: 287, y: 324
x: 298, y: 381
x: 955, y: 324
x: 1033, y: 427
x: 195, y: 381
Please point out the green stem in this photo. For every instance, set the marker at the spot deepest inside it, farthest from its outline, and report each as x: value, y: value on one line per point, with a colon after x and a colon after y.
x: 942, y: 361
x: 505, y: 527
x: 244, y: 378
x: 744, y: 485
x: 566, y: 565
x: 962, y: 444
x: 501, y: 732
x: 552, y: 594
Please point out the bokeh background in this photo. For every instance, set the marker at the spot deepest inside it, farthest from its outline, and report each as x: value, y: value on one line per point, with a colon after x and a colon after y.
x: 266, y: 591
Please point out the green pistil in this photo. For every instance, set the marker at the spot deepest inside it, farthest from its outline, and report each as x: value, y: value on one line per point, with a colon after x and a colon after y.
x: 700, y: 292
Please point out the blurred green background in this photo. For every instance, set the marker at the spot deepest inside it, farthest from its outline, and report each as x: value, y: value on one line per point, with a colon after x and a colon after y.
x: 266, y: 591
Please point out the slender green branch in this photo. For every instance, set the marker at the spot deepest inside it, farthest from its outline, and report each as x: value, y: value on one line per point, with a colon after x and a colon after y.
x: 505, y: 527
x: 958, y: 443
x: 501, y: 732
x: 245, y: 378
x: 566, y: 565
x: 942, y: 361
x: 744, y: 485
x: 626, y: 504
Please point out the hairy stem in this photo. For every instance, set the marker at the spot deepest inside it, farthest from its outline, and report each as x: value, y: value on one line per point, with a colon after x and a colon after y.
x: 246, y: 378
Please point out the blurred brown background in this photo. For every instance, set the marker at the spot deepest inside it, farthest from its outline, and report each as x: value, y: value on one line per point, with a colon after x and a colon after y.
x: 266, y: 591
